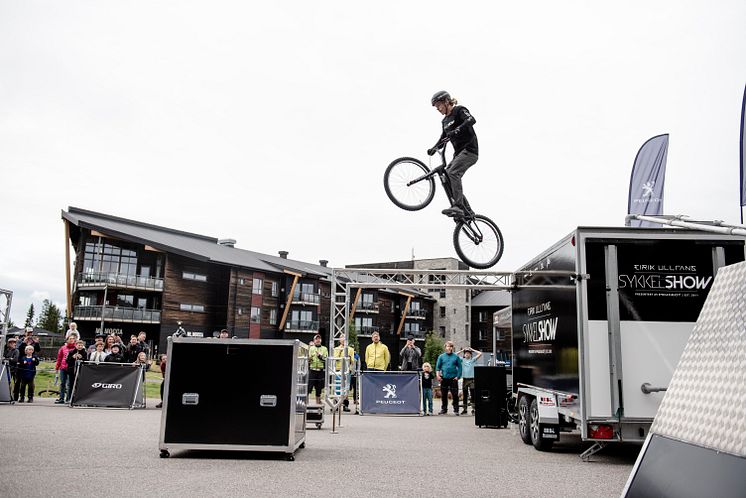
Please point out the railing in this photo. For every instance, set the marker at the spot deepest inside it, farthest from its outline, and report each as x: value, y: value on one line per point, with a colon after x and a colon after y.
x: 306, y: 298
x: 101, y: 279
x: 302, y: 326
x: 367, y: 329
x: 416, y: 313
x: 367, y: 306
x: 417, y: 334
x: 119, y: 314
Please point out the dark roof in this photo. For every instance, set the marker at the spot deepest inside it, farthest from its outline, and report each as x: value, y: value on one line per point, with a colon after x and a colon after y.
x: 187, y: 244
x: 195, y: 246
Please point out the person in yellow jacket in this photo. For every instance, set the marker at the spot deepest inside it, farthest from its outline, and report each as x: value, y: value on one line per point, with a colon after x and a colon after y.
x: 339, y: 352
x: 377, y: 354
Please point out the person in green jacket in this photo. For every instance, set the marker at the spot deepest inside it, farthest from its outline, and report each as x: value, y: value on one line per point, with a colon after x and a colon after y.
x: 317, y: 366
x: 448, y: 372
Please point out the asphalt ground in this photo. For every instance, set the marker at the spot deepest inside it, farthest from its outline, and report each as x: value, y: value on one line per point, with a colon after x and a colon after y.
x: 52, y: 450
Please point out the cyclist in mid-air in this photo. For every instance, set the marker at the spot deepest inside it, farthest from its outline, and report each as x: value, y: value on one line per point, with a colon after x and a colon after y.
x: 458, y: 127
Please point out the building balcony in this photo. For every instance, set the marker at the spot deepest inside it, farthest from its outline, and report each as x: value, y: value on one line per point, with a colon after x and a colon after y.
x: 117, y: 314
x: 367, y: 307
x: 100, y: 280
x: 310, y: 326
x: 367, y: 329
x: 417, y: 314
x: 306, y: 298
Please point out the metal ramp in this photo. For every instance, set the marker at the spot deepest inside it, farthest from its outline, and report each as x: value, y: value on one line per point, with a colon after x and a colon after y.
x: 697, y: 444
x: 345, y: 279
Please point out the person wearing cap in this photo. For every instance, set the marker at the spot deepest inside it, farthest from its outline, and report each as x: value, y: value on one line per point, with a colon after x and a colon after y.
x: 340, y: 352
x: 410, y: 356
x: 29, y: 340
x: 317, y: 354
x: 11, y: 355
x: 468, y: 360
x: 116, y: 355
x: 458, y: 128
x: 98, y: 340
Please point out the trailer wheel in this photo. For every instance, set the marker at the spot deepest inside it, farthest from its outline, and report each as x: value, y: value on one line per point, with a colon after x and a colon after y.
x: 524, y: 421
x: 539, y: 442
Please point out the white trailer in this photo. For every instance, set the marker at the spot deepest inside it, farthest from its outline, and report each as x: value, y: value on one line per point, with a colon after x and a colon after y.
x: 597, y: 357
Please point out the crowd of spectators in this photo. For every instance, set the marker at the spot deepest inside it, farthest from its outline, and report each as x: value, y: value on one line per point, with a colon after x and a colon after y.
x: 21, y: 354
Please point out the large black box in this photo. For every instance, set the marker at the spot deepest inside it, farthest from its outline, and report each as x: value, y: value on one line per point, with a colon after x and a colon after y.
x: 234, y: 394
x: 490, y: 394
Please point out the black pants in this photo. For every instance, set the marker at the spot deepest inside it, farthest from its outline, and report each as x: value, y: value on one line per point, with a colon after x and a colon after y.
x: 26, y: 385
x: 315, y: 380
x: 446, y: 386
x: 463, y: 161
x: 16, y: 385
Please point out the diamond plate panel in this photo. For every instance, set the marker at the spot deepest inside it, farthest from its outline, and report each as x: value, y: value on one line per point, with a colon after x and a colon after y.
x: 705, y: 403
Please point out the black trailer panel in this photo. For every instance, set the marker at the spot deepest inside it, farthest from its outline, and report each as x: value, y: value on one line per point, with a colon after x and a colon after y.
x: 545, y: 335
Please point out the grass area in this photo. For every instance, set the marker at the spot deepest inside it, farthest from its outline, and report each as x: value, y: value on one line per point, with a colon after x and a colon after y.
x: 45, y: 381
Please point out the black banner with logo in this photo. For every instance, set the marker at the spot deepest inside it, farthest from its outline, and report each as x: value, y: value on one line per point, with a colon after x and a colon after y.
x: 545, y: 333
x: 658, y: 280
x: 108, y: 385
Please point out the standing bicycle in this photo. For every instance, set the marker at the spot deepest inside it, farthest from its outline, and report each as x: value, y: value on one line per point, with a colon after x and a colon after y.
x: 410, y: 185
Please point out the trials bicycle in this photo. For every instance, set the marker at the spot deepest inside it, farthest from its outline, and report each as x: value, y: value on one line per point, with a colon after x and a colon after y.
x: 410, y: 184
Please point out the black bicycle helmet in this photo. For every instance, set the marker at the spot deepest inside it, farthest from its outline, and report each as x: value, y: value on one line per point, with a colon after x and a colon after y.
x: 440, y: 96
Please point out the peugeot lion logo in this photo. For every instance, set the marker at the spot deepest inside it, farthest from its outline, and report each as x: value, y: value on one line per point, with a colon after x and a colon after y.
x: 97, y: 385
x: 390, y: 390
x: 647, y: 189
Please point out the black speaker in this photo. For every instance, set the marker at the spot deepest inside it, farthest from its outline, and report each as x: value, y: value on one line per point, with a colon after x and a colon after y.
x: 490, y: 393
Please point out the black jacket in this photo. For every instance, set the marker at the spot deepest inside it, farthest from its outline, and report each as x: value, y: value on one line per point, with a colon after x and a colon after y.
x: 114, y: 358
x: 72, y: 362
x: 11, y: 354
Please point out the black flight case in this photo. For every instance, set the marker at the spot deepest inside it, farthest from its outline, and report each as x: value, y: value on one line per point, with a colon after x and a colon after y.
x: 234, y: 394
x: 490, y: 395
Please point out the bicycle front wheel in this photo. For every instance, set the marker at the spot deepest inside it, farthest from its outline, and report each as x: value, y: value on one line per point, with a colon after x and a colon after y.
x: 407, y: 184
x: 478, y: 242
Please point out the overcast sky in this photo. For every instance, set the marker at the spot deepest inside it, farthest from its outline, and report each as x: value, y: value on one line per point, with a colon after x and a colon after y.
x: 273, y: 122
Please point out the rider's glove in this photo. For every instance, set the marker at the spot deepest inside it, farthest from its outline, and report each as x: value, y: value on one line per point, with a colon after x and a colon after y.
x: 432, y: 151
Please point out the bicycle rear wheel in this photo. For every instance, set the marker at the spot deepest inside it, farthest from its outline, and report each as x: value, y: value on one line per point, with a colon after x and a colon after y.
x: 399, y: 187
x: 478, y: 242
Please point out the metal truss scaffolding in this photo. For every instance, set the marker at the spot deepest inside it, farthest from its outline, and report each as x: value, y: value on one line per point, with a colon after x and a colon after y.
x: 345, y: 279
x: 6, y: 298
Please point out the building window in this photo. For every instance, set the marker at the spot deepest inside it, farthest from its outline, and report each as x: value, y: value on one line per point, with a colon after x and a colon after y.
x: 442, y: 311
x: 466, y: 331
x: 482, y: 316
x: 256, y: 314
x: 197, y: 308
x: 126, y: 300
x: 193, y: 276
x: 239, y: 311
x: 442, y: 331
x: 364, y: 325
x: 454, y: 311
x: 257, y: 286
x: 275, y: 289
x: 443, y: 294
x: 241, y: 281
x: 273, y: 316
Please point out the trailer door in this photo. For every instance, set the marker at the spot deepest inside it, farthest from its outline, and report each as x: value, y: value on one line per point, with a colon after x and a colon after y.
x: 649, y: 299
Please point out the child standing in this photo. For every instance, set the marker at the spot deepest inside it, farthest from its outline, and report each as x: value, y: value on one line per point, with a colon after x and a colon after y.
x: 79, y: 354
x: 26, y: 373
x: 427, y: 388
